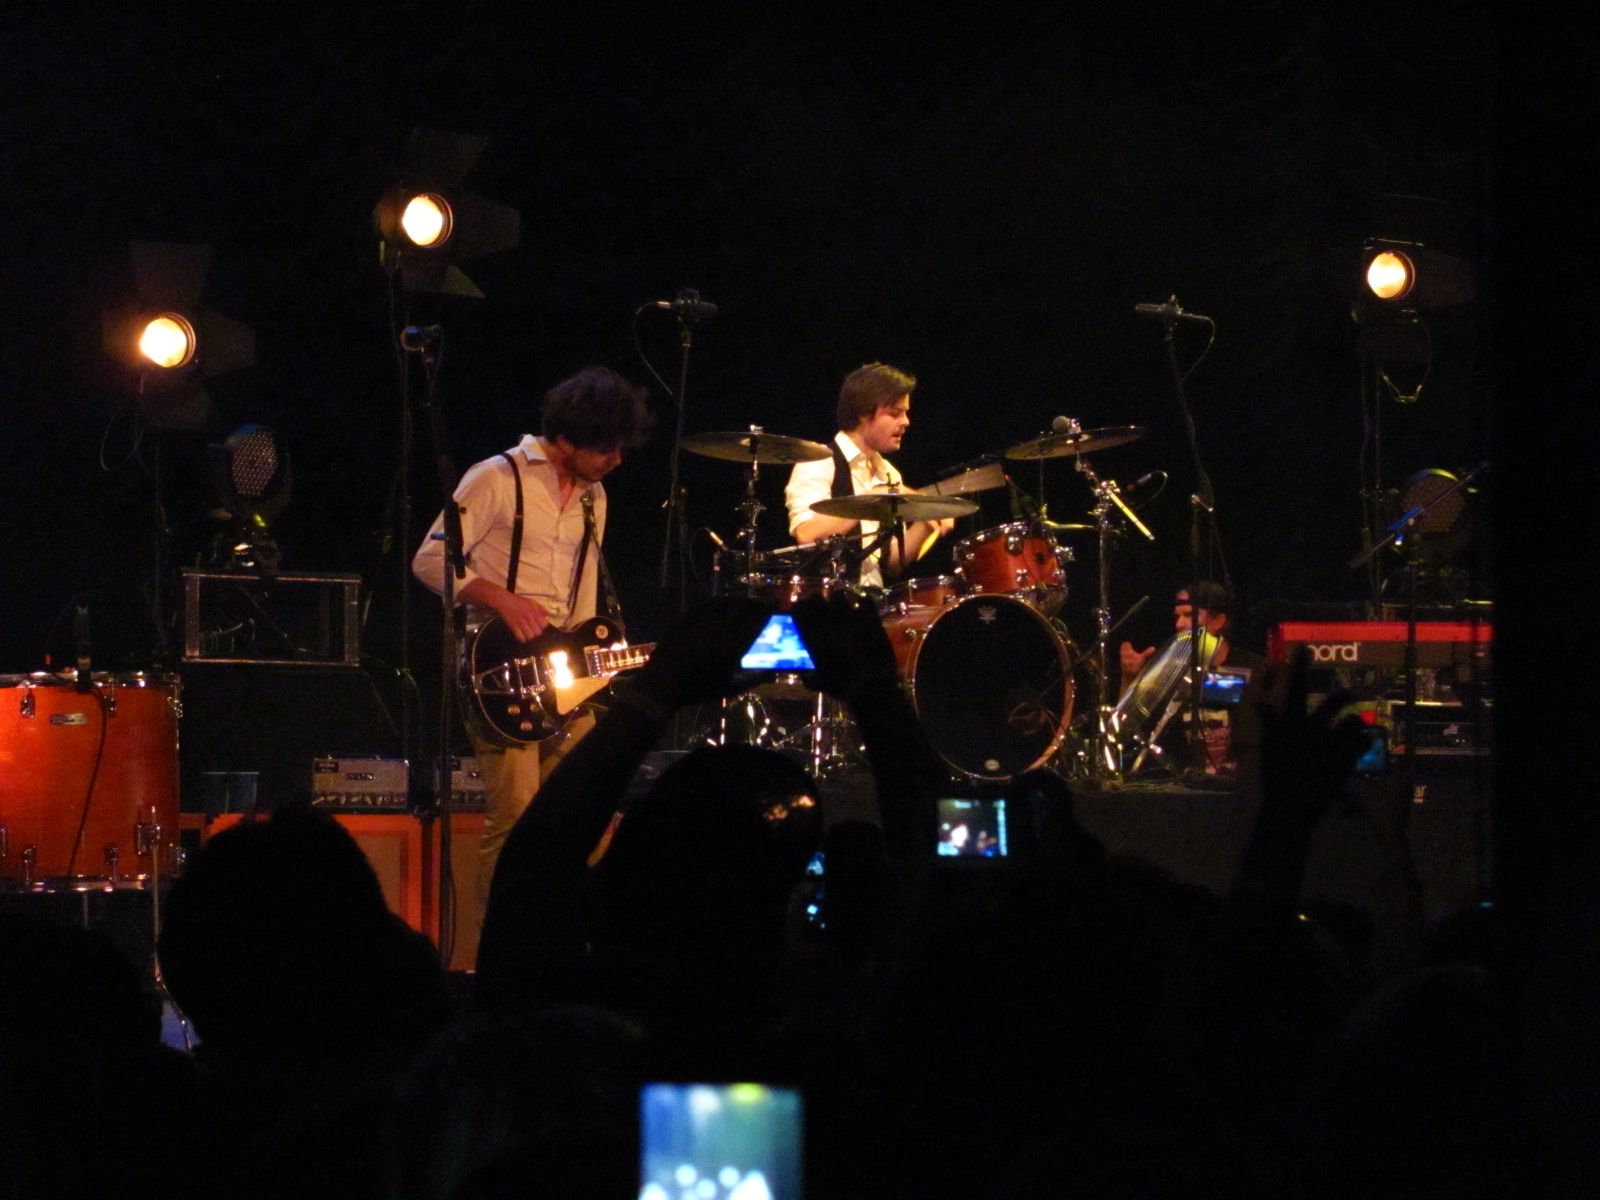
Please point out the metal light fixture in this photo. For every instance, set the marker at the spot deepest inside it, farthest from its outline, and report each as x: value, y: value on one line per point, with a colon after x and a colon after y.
x: 427, y: 223
x: 170, y: 341
x: 253, y: 478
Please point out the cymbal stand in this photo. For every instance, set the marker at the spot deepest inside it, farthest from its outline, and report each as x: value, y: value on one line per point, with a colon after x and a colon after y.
x: 1104, y: 755
x: 751, y: 507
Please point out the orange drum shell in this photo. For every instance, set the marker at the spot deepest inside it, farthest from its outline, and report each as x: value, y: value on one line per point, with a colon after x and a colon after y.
x: 786, y: 591
x: 47, y: 761
x: 932, y: 593
x: 1010, y: 559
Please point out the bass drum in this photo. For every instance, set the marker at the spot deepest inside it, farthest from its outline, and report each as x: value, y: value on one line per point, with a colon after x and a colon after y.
x: 991, y: 681
x: 88, y: 780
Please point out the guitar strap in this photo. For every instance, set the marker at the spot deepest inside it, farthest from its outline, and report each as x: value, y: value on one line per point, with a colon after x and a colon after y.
x: 516, y: 525
x: 607, y: 593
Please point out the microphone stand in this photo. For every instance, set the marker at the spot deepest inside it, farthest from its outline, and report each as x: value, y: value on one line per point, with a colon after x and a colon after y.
x: 677, y: 518
x: 1393, y: 536
x: 454, y: 568
x: 1203, y: 499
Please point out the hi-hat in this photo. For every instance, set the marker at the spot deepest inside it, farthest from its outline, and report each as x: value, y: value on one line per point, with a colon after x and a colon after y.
x: 746, y: 447
x: 894, y: 506
x: 1086, y: 441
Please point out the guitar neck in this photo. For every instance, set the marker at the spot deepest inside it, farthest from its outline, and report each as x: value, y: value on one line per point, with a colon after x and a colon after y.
x: 602, y: 660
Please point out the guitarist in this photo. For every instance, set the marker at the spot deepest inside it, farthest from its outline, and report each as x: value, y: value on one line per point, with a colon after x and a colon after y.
x: 532, y: 521
x: 874, y: 413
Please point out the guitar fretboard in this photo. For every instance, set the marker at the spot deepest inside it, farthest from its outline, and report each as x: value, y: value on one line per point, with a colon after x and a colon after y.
x: 609, y: 660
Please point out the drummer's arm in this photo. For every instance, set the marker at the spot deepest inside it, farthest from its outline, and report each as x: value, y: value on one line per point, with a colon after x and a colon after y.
x: 808, y: 483
x: 920, y: 538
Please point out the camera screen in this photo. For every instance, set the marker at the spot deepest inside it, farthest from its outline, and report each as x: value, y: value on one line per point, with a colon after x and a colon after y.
x: 778, y: 647
x: 972, y: 828
x: 1375, y: 758
x: 719, y: 1140
x: 1223, y: 687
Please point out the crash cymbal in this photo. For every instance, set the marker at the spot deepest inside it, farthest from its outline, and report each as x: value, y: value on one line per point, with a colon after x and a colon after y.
x: 747, y: 447
x: 894, y: 506
x: 1087, y: 441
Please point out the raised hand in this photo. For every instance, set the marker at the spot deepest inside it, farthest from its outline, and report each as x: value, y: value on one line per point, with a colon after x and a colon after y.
x: 1299, y: 760
x: 697, y: 659
x: 848, y: 644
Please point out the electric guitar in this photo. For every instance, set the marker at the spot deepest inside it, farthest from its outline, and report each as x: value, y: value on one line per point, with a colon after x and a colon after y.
x: 526, y: 692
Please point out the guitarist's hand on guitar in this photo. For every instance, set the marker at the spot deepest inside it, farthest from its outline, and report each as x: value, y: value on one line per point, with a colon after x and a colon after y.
x: 524, y: 617
x: 698, y: 658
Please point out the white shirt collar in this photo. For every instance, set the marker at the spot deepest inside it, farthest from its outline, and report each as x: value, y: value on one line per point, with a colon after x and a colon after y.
x: 533, y: 448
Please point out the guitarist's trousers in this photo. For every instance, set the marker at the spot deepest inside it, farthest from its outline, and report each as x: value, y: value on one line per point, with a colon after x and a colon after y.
x: 512, y: 776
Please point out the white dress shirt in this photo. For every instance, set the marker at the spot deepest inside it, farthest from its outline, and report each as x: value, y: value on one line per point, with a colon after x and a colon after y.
x: 551, y: 535
x: 813, y: 481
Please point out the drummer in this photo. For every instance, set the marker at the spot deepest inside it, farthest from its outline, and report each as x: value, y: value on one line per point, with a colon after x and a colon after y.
x: 874, y: 413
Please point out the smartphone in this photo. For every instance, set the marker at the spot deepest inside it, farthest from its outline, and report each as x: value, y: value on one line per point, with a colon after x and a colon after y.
x: 972, y: 827
x: 719, y: 1140
x: 778, y: 647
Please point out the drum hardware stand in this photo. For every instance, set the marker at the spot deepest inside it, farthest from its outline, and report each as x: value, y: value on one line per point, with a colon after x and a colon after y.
x: 1104, y: 746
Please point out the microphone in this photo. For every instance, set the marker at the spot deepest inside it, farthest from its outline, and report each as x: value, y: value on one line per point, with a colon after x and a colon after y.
x: 688, y: 306
x: 1144, y: 481
x: 80, y: 635
x: 1168, y: 310
x: 1023, y: 506
x: 420, y: 337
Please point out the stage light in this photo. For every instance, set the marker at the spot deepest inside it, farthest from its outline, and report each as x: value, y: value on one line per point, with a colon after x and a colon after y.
x: 1395, y: 277
x: 1390, y: 275
x: 253, y: 479
x: 168, y: 340
x: 1436, y: 492
x: 427, y: 220
x: 428, y: 223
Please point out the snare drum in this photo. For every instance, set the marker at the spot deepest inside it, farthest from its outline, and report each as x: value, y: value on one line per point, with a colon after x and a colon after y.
x: 785, y: 591
x: 933, y: 592
x: 103, y: 760
x: 990, y: 679
x: 1015, y: 560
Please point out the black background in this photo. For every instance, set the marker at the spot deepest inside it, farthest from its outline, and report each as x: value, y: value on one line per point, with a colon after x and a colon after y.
x: 981, y: 199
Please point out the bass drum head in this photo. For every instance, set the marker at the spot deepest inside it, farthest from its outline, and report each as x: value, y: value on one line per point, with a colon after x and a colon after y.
x: 990, y: 681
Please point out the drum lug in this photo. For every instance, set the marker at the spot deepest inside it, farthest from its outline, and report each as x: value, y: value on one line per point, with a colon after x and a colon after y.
x: 108, y: 700
x: 30, y: 856
x: 5, y: 842
x: 147, y: 836
x: 27, y: 703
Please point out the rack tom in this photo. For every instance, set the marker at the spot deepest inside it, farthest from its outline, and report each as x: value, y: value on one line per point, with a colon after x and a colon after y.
x: 1015, y: 560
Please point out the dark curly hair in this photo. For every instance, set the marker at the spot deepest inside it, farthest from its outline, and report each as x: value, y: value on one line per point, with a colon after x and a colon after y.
x: 596, y: 409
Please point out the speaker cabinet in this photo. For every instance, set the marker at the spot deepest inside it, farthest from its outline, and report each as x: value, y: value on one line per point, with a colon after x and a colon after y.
x: 456, y: 900
x: 394, y: 844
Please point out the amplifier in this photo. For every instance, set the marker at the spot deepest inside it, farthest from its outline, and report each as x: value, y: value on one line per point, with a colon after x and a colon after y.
x: 361, y: 784
x: 466, y: 786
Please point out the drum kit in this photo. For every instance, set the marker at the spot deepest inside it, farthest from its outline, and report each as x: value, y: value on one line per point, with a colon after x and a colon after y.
x: 89, y: 782
x: 984, y: 651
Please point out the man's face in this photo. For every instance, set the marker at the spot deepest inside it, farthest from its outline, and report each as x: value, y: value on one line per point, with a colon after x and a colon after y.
x: 1182, y: 610
x: 887, y: 425
x: 589, y: 466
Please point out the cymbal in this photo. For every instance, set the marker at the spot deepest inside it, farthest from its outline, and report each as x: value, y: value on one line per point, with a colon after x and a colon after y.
x: 1059, y: 445
x: 747, y: 447
x: 894, y: 506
